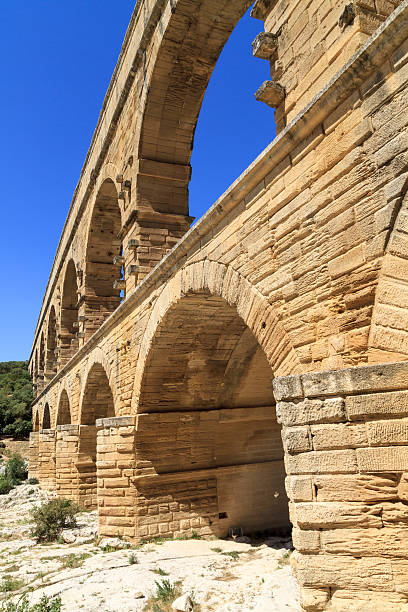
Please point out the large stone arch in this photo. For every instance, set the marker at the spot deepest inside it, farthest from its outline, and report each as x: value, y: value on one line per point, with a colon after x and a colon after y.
x: 97, y: 402
x: 388, y: 339
x: 178, y: 69
x: 217, y: 279
x: 69, y: 313
x: 205, y: 403
x: 103, y: 245
x: 51, y: 342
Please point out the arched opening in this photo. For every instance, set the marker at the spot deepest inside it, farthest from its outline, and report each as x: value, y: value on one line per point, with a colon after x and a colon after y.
x: 103, y: 259
x: 41, y: 360
x: 97, y: 403
x: 35, y: 373
x: 36, y: 422
x: 46, y: 420
x: 69, y: 315
x: 64, y: 411
x: 207, y: 419
x: 51, y: 357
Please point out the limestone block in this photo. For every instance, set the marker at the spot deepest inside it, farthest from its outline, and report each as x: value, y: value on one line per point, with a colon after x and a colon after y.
x: 306, y: 540
x: 384, y: 377
x: 344, y: 572
x: 313, y: 600
x: 287, y: 387
x: 344, y: 435
x: 377, y: 404
x: 310, y: 411
x: 395, y: 514
x: 358, y: 601
x: 368, y: 542
x: 296, y: 439
x: 356, y: 487
x: 318, y: 515
x: 387, y: 459
x: 299, y: 488
x: 322, y: 462
x: 393, y: 432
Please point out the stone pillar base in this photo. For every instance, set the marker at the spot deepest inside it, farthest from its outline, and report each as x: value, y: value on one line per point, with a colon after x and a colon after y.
x: 345, y: 435
x: 33, y: 455
x: 116, y: 460
x: 46, y: 459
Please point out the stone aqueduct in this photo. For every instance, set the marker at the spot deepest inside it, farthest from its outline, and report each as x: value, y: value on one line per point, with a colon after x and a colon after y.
x: 170, y: 363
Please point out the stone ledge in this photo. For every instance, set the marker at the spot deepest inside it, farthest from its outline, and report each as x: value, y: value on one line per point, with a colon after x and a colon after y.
x: 350, y: 381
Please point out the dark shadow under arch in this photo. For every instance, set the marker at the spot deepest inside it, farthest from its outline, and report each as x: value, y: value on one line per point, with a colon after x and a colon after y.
x: 46, y: 419
x: 69, y: 314
x: 206, y: 406
x: 64, y: 410
x: 101, y: 297
x: 97, y: 403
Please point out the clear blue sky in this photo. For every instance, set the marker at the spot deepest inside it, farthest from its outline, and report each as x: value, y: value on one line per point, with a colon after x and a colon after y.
x: 57, y: 61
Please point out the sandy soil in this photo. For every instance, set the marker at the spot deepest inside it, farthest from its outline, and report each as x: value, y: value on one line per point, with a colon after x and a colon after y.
x: 92, y: 577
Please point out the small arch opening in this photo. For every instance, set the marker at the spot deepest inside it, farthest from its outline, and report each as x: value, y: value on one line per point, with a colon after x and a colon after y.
x: 104, y: 269
x: 64, y: 411
x: 46, y: 420
x: 69, y: 315
x: 51, y: 357
x: 97, y: 404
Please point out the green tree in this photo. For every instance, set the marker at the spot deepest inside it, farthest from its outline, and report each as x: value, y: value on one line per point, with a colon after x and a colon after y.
x: 15, y: 399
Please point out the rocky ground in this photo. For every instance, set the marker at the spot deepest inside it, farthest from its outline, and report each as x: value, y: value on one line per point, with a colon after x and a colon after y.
x: 93, y: 575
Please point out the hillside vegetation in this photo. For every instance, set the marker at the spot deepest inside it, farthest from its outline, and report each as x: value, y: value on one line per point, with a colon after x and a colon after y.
x: 15, y: 399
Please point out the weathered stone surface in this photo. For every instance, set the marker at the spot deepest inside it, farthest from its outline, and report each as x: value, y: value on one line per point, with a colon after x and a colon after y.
x: 158, y: 406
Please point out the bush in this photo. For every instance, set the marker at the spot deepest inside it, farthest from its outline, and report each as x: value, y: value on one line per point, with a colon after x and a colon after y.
x: 45, y: 605
x: 2, y: 444
x: 51, y: 518
x: 5, y: 485
x: 33, y: 481
x: 15, y: 399
x: 16, y: 470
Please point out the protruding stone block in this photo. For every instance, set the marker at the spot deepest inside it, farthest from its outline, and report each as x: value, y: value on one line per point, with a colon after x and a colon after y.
x: 271, y: 93
x: 265, y: 45
x: 119, y: 284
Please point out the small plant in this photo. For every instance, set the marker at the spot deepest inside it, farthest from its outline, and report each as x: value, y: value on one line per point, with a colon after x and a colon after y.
x: 284, y: 560
x: 234, y: 554
x: 10, y: 584
x: 74, y: 560
x: 45, y: 605
x: 195, y: 536
x: 33, y: 481
x: 5, y: 485
x: 30, y: 491
x: 51, y: 518
x: 2, y: 444
x: 165, y: 591
x: 160, y: 571
x: 108, y: 548
x: 16, y: 470
x: 217, y: 549
x: 133, y: 559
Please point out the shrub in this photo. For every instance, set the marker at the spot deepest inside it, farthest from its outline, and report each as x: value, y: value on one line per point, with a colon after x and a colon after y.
x: 5, y: 485
x: 45, y: 605
x: 10, y: 584
x: 51, y: 518
x: 15, y: 469
x: 33, y: 481
x: 165, y: 591
x: 2, y: 444
x: 133, y: 559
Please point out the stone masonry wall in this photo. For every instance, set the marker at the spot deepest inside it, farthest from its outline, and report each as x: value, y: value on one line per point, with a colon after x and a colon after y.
x: 346, y: 440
